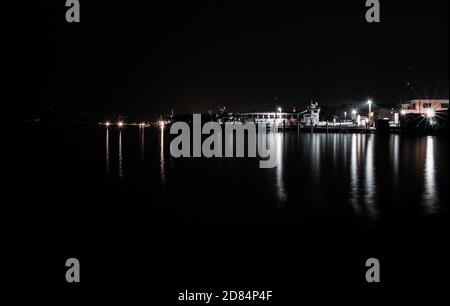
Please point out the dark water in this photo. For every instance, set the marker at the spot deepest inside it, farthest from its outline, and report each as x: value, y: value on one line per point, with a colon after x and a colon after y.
x: 131, y: 213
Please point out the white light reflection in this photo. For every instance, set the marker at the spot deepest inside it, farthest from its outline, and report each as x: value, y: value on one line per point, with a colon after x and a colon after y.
x: 335, y: 150
x: 108, y: 164
x: 318, y: 145
x: 142, y: 142
x: 395, y: 156
x: 354, y: 196
x: 370, y: 186
x: 120, y: 156
x: 281, y: 191
x: 430, y: 198
x: 315, y: 155
x: 161, y: 155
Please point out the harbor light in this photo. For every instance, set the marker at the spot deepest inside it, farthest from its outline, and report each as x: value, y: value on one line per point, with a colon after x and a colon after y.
x: 120, y: 124
x: 354, y: 113
x: 370, y: 106
x: 107, y: 123
x: 161, y: 123
x: 430, y: 113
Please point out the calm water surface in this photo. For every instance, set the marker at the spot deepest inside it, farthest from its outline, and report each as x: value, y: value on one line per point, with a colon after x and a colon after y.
x: 366, y: 176
x: 118, y: 194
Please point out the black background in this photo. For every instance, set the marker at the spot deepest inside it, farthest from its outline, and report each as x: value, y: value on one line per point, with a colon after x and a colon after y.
x: 142, y: 60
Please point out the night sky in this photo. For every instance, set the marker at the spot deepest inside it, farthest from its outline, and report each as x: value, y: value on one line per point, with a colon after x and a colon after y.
x: 191, y: 57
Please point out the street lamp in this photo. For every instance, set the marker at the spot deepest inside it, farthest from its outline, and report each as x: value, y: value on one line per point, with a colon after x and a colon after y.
x: 430, y: 113
x: 354, y: 112
x: 370, y: 106
x: 279, y: 109
x: 345, y: 116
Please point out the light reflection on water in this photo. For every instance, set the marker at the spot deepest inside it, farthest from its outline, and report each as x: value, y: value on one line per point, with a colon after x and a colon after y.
x: 354, y: 177
x: 108, y: 164
x: 281, y: 192
x: 142, y: 143
x: 266, y: 140
x: 316, y: 147
x: 161, y: 156
x: 430, y: 196
x: 120, y: 156
x: 324, y: 159
x: 363, y: 186
x: 394, y: 144
x: 369, y: 183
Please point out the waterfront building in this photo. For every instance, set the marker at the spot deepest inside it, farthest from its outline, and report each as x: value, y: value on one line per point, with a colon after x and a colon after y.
x: 428, y: 111
x: 425, y: 107
x: 308, y: 117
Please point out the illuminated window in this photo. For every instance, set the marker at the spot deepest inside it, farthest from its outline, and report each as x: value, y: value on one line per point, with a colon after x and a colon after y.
x: 410, y: 106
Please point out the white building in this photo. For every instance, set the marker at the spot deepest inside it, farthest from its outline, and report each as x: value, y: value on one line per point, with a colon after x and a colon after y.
x: 424, y: 107
x: 308, y: 117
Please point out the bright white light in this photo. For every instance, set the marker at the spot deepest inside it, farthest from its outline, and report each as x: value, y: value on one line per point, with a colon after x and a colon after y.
x: 403, y: 112
x: 120, y: 124
x: 369, y: 102
x: 430, y: 113
x: 161, y: 123
x: 354, y: 111
x: 279, y: 109
x: 107, y: 123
